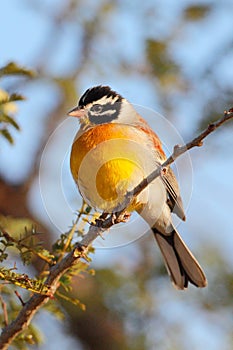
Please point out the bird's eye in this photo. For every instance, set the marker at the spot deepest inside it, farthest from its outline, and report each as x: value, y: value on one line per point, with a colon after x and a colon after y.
x: 96, y: 108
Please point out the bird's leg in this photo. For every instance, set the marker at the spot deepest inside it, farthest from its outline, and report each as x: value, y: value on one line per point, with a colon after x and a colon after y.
x: 101, y: 218
x: 123, y: 217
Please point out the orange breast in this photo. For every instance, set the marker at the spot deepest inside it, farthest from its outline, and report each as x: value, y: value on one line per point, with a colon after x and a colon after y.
x: 108, y: 160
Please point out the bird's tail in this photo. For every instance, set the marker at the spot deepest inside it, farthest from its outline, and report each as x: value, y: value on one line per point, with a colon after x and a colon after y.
x: 180, y: 262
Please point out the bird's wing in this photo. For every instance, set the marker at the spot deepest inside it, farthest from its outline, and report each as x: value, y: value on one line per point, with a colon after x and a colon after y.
x: 168, y: 177
x: 174, y: 198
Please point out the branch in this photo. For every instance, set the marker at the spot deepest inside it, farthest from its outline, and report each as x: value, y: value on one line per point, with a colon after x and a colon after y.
x: 179, y: 150
x: 104, y: 222
x: 4, y: 309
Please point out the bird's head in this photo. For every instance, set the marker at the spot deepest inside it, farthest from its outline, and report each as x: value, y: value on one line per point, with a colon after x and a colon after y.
x: 100, y: 105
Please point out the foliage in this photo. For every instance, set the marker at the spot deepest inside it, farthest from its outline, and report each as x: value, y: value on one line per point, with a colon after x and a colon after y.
x: 8, y: 106
x: 162, y: 65
x: 196, y: 12
x: 25, y: 246
x: 20, y: 240
x: 11, y: 308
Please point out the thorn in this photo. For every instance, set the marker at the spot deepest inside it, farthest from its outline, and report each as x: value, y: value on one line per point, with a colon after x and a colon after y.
x: 114, y: 218
x: 19, y: 297
x: 101, y: 235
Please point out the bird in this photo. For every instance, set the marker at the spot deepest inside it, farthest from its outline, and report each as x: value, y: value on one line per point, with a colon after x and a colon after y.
x: 113, y: 150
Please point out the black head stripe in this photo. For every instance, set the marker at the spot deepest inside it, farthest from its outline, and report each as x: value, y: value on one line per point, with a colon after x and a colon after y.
x: 109, y: 113
x: 96, y: 93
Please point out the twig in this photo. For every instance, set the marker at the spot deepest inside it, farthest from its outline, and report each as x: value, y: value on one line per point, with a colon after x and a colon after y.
x: 36, y: 301
x: 4, y: 309
x: 72, y: 231
x: 19, y: 245
x: 19, y: 297
x: 179, y: 150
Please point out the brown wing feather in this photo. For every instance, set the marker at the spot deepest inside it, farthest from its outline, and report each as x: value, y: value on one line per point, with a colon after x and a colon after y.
x: 174, y: 198
x: 169, y: 179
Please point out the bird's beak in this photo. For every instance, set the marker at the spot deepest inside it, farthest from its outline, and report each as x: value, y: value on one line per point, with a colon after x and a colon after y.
x: 77, y: 112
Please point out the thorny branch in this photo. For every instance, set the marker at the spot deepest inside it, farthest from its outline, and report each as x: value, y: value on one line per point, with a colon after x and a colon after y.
x: 102, y: 224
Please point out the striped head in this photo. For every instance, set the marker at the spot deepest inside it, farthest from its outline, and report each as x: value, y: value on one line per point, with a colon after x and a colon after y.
x: 101, y: 105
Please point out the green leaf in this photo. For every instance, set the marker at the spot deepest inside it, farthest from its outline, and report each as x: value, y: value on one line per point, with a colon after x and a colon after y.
x: 88, y: 209
x: 55, y: 309
x: 16, y: 97
x: 6, y: 134
x: 159, y: 59
x: 14, y: 69
x: 26, y: 257
x: 9, y: 120
x: 3, y: 257
x: 196, y: 12
x: 5, y: 97
x: 30, y: 336
x: 74, y: 301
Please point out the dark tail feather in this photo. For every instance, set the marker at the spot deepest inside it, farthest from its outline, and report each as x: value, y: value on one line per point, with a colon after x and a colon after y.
x: 180, y: 262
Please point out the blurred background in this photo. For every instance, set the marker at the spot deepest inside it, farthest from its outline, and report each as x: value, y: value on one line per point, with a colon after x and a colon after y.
x: 175, y: 58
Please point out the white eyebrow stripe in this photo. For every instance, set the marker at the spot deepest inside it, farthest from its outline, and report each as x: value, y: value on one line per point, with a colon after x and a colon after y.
x: 108, y: 112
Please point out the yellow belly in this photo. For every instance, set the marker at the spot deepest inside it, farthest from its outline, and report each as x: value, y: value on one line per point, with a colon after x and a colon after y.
x: 107, y: 161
